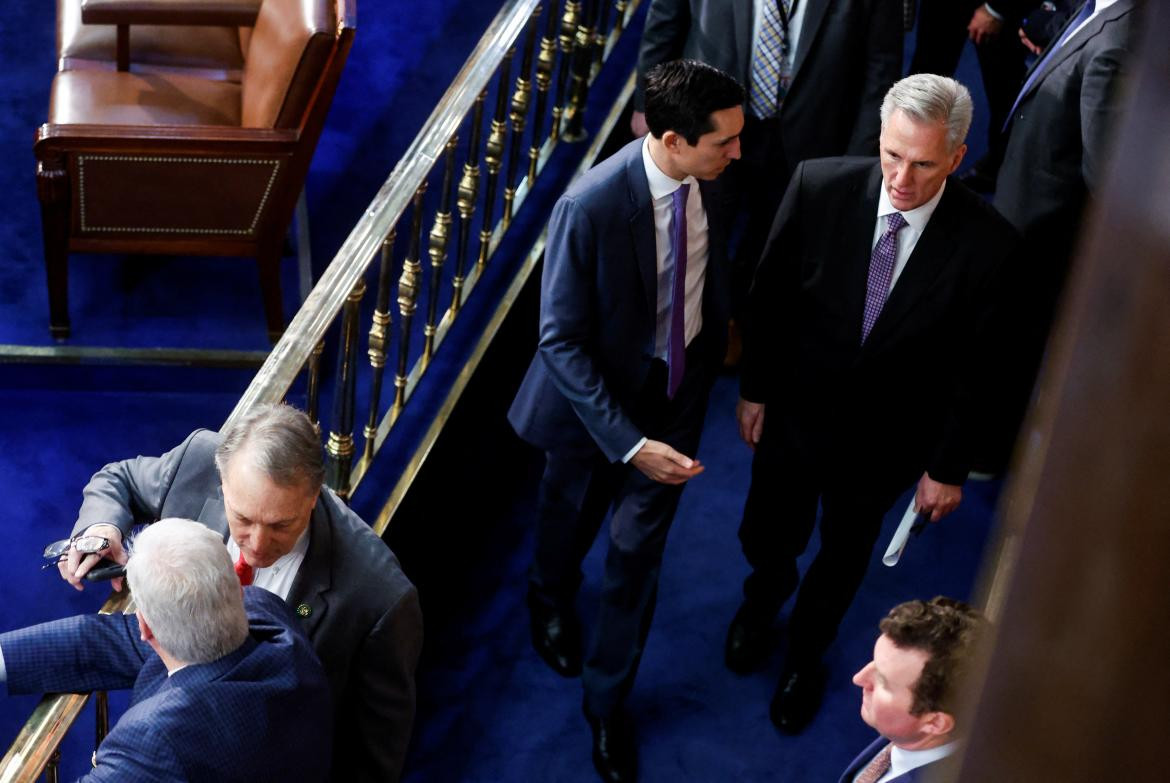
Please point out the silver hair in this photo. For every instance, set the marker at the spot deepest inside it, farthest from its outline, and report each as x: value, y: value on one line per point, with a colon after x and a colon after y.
x: 281, y: 441
x: 928, y: 97
x: 185, y: 587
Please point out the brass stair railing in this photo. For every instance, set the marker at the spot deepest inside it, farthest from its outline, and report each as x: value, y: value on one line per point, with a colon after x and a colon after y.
x: 557, y: 48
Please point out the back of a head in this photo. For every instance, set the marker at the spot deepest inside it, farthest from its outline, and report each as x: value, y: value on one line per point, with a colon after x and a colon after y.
x: 930, y: 98
x: 681, y: 96
x: 947, y: 630
x: 185, y: 587
x: 281, y: 441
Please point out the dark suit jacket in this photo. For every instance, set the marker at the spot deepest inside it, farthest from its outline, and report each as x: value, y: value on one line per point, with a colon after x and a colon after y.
x: 359, y: 610
x: 261, y: 713
x: 913, y: 776
x: 910, y: 398
x: 598, y: 308
x: 848, y: 54
x: 1058, y: 134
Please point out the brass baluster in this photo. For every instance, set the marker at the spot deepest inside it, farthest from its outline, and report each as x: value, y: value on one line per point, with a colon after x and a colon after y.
x: 521, y: 99
x: 544, y: 69
x: 314, y: 390
x: 493, y: 157
x: 437, y: 249
x: 566, y: 39
x: 101, y: 714
x: 51, y: 766
x: 379, y: 342
x: 339, y: 448
x: 582, y: 64
x: 619, y: 24
x: 468, y: 193
x: 408, y: 286
x: 599, y: 38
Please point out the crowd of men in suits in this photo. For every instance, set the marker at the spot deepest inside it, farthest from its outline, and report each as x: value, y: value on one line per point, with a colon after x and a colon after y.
x: 892, y: 319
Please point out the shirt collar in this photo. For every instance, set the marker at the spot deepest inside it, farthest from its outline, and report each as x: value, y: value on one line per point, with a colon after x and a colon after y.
x: 916, y: 218
x: 902, y: 760
x: 660, y: 184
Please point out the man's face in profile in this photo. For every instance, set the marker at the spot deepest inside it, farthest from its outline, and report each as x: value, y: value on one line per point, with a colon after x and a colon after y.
x: 887, y: 691
x: 265, y: 518
x: 715, y: 149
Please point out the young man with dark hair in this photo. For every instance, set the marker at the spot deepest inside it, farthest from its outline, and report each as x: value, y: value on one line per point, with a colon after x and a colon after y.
x: 908, y: 690
x: 633, y: 314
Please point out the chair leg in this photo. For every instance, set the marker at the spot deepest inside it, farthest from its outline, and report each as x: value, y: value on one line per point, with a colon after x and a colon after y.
x: 53, y: 192
x: 269, y: 263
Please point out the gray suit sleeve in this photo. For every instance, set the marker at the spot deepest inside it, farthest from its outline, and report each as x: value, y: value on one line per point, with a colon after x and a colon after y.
x: 663, y: 37
x: 130, y: 492
x: 883, y: 67
x: 1099, y: 110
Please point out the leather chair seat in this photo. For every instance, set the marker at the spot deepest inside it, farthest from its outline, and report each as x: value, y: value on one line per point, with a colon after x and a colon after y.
x: 210, y: 52
x: 113, y: 98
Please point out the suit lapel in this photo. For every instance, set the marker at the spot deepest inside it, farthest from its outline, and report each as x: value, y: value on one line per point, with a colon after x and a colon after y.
x: 641, y: 215
x: 931, y: 255
x: 315, y: 577
x: 741, y: 24
x: 859, y: 243
x: 814, y: 14
x: 1076, y: 42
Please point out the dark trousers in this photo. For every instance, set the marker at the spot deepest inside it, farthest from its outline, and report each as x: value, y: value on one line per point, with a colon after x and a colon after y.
x: 942, y: 33
x: 778, y: 520
x: 576, y: 491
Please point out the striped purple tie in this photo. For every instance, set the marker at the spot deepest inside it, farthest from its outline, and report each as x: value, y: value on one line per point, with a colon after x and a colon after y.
x: 881, y: 271
x: 676, y: 352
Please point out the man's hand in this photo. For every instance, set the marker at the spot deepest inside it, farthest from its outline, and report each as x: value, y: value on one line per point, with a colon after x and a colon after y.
x: 638, y: 124
x: 936, y: 498
x: 750, y: 416
x: 1027, y: 42
x: 665, y: 465
x: 75, y: 565
x: 983, y: 26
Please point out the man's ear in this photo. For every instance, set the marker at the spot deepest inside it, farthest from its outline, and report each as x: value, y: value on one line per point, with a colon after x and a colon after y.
x: 937, y: 724
x: 671, y: 140
x: 958, y: 159
x: 144, y: 631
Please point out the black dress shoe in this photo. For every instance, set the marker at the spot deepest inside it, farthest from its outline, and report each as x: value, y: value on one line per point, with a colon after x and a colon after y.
x: 797, y: 699
x: 748, y: 640
x: 615, y: 755
x: 556, y: 635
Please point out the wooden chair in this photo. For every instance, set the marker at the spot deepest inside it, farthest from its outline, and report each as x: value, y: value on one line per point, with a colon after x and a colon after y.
x: 167, y: 162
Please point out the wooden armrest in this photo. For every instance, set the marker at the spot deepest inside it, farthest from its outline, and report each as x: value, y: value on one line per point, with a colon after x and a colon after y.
x: 216, y: 13
x: 55, y: 140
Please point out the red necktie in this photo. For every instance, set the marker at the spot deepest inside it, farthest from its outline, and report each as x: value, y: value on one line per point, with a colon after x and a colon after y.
x: 243, y: 571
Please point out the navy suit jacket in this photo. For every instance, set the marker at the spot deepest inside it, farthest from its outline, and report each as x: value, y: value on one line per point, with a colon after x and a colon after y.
x: 913, y: 776
x: 598, y: 310
x: 260, y: 713
x: 351, y: 597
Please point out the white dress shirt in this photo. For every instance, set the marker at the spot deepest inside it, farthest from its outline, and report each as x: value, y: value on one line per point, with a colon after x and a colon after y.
x: 278, y: 577
x: 662, y: 188
x: 916, y: 220
x: 902, y: 761
x: 1097, y: 9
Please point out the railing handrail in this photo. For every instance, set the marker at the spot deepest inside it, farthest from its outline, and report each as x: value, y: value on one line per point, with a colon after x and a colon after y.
x: 354, y: 256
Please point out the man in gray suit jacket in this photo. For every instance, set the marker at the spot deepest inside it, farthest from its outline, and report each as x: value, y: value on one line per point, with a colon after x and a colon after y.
x: 844, y: 55
x: 259, y: 485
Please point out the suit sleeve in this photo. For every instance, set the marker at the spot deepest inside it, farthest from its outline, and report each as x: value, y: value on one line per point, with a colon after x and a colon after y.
x: 665, y: 32
x: 74, y: 655
x: 568, y: 327
x: 384, y: 683
x: 882, y: 67
x: 130, y: 492
x: 769, y: 336
x: 1099, y: 110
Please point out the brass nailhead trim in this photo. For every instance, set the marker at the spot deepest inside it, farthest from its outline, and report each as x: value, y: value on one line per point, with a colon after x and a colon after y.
x: 81, y: 159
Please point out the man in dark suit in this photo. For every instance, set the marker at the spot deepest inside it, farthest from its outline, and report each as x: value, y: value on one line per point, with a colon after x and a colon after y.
x: 1057, y: 143
x: 837, y: 57
x: 226, y: 688
x: 633, y: 312
x: 909, y: 690
x: 870, y: 340
x: 259, y: 486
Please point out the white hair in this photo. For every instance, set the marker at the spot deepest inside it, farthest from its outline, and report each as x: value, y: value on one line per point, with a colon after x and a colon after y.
x: 928, y: 97
x: 185, y: 587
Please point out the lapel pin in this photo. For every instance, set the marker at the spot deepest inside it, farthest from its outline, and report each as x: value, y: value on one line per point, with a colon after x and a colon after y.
x: 304, y: 610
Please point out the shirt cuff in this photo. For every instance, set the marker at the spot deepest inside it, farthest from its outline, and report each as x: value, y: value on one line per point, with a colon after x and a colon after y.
x: 629, y: 455
x: 998, y: 16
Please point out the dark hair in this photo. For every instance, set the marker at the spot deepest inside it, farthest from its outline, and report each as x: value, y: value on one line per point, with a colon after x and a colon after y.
x: 947, y: 631
x: 681, y: 96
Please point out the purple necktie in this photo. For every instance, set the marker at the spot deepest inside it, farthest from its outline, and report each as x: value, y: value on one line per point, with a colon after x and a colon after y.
x: 676, y: 351
x: 881, y: 271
